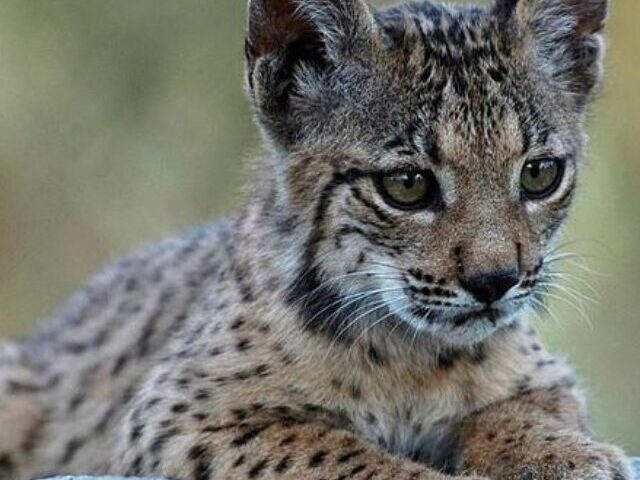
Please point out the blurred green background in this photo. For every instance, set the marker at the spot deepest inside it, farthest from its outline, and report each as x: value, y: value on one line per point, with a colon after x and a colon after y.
x: 121, y: 121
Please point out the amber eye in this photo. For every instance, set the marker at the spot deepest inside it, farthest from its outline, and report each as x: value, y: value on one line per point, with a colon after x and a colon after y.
x: 408, y: 190
x: 540, y: 178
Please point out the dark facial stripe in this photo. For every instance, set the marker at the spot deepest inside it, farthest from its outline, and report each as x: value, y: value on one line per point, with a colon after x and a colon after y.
x: 379, y: 213
x: 321, y: 306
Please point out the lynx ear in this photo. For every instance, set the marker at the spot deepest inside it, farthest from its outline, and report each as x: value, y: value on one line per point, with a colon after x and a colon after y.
x: 566, y: 36
x: 292, y: 43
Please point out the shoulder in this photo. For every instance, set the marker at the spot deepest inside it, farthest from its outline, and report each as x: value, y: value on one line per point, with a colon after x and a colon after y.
x: 129, y: 280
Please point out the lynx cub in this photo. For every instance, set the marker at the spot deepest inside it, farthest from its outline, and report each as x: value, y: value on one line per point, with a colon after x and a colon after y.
x: 362, y: 316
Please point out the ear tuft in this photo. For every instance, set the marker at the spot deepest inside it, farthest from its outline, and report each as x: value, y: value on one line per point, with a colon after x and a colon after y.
x: 566, y: 36
x: 272, y: 26
x: 291, y: 46
x: 580, y: 17
x: 590, y: 15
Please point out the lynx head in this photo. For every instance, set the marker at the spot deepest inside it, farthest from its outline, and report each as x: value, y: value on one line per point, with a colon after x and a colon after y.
x: 423, y: 156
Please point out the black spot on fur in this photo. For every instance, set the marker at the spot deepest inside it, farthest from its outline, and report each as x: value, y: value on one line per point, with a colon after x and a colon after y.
x: 7, y: 465
x: 215, y: 351
x: 249, y: 435
x: 136, y: 466
x: 71, y: 449
x: 158, y: 443
x: 136, y: 433
x: 283, y: 465
x: 237, y: 324
x: 202, y: 470
x: 202, y: 394
x: 317, y: 459
x: 347, y: 457
x: 197, y: 452
x: 243, y: 345
x: 77, y: 400
x: 447, y: 360
x: 258, y: 468
x: 355, y: 392
x: 357, y: 469
x: 288, y: 440
x: 375, y: 356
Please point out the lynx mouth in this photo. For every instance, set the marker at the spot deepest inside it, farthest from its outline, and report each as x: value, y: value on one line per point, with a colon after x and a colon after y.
x: 490, y: 313
x: 459, y: 325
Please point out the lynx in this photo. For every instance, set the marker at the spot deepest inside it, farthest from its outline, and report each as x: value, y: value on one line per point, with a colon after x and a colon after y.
x: 363, y: 316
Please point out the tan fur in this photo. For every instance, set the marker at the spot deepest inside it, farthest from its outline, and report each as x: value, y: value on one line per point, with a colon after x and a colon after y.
x: 324, y: 333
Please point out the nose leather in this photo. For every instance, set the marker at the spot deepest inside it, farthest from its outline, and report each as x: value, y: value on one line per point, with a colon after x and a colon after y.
x: 490, y: 287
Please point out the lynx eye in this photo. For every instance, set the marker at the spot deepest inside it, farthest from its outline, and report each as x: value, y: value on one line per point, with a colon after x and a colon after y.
x: 408, y: 190
x: 540, y: 178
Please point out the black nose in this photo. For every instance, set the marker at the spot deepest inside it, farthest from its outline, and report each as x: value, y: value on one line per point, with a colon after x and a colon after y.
x: 491, y: 287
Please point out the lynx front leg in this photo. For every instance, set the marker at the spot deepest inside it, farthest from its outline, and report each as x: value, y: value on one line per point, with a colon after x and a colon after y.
x: 263, y: 443
x: 21, y: 412
x: 539, y: 436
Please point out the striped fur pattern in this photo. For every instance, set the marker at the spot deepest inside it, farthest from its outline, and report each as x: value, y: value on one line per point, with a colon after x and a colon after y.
x: 323, y: 333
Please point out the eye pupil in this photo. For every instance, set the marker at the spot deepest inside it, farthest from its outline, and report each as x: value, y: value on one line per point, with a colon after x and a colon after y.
x: 409, y: 181
x: 535, y: 171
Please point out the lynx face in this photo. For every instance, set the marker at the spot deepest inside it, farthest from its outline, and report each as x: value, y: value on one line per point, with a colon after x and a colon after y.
x: 425, y: 156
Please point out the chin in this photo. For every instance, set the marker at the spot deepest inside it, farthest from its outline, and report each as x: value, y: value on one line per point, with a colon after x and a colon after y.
x: 461, y: 329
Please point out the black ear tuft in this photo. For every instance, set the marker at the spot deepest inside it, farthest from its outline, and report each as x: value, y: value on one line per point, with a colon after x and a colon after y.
x: 292, y: 43
x: 566, y: 36
x: 279, y: 35
x: 589, y: 15
x: 273, y: 26
x: 581, y: 17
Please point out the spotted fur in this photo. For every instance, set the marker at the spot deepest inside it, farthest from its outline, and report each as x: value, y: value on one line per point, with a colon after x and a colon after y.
x: 322, y: 333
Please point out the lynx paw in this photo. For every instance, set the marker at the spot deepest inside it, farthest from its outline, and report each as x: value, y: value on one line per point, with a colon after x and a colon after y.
x: 574, y: 458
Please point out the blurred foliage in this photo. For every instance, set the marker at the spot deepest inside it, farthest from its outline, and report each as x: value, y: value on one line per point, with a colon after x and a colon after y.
x: 123, y: 120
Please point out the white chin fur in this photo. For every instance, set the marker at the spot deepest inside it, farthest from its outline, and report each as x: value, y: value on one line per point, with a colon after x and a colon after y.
x: 446, y: 333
